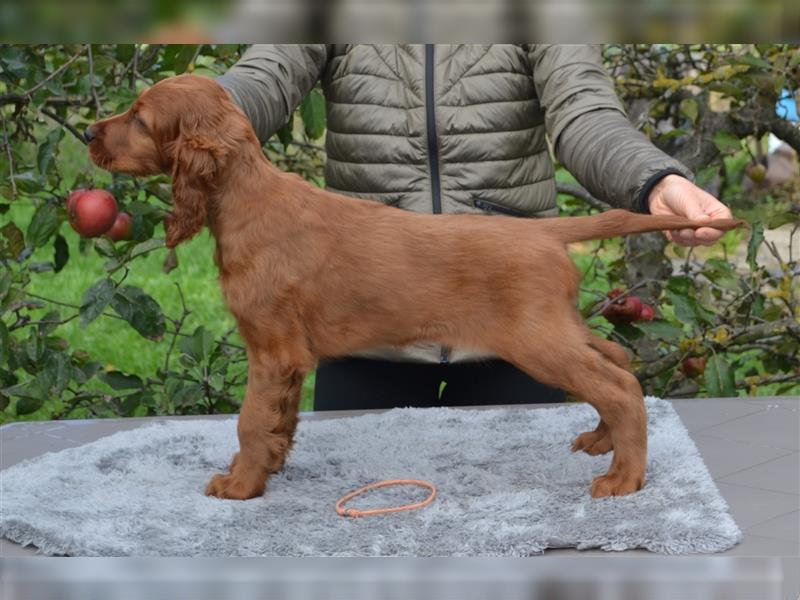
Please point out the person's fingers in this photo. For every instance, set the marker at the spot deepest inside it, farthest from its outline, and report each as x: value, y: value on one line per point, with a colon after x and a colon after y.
x: 682, y: 237
x: 708, y: 235
x: 720, y: 211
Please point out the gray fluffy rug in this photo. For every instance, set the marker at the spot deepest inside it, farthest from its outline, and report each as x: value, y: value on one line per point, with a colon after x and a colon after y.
x: 508, y: 485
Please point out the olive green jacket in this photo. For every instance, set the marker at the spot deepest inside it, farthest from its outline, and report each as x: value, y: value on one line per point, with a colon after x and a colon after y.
x: 457, y: 129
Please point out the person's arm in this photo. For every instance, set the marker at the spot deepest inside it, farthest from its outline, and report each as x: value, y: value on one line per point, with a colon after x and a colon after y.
x: 589, y: 131
x: 271, y: 80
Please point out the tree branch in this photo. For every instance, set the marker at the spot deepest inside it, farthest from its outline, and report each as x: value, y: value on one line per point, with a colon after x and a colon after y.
x: 7, y: 145
x: 785, y: 130
x: 582, y: 193
x: 55, y: 73
x: 98, y: 109
x: 64, y: 123
x: 744, y: 335
x: 19, y: 99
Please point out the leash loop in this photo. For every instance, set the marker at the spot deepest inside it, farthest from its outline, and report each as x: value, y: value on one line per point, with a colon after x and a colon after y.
x: 355, y: 512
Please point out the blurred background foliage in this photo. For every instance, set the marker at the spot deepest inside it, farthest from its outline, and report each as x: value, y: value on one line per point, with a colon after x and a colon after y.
x: 27, y: 21
x: 93, y: 328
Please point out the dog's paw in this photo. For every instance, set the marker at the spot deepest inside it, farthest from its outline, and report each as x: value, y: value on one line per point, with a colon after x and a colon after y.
x: 593, y: 442
x: 234, y: 487
x: 616, y: 484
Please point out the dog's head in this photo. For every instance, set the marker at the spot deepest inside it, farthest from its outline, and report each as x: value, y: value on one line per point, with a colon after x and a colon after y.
x: 185, y: 126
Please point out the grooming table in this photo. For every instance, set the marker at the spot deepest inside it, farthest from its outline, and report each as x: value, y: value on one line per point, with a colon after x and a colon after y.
x: 750, y: 445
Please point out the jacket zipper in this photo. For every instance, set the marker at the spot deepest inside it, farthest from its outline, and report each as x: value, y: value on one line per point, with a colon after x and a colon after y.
x: 433, y: 154
x: 430, y: 122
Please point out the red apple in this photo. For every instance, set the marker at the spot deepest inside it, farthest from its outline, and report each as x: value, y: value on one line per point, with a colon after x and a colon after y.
x: 631, y: 307
x: 615, y: 293
x: 93, y: 213
x: 73, y: 197
x: 614, y: 314
x: 122, y: 229
x: 647, y: 313
x: 623, y: 310
x: 693, y: 366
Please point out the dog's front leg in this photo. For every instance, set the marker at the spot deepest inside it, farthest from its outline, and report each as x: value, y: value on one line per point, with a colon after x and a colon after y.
x: 266, y: 428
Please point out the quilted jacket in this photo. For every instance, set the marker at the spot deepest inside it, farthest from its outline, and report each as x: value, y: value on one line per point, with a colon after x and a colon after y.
x: 456, y: 128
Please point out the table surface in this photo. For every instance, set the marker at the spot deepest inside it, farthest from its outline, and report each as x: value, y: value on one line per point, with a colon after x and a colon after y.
x: 750, y: 445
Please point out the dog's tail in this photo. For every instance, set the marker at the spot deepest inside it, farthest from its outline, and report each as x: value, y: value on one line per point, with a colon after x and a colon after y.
x: 618, y: 222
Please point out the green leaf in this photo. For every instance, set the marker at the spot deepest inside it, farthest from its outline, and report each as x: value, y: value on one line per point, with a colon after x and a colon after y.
x: 689, y: 108
x: 680, y: 285
x: 628, y: 331
x: 13, y: 60
x: 124, y: 52
x: 49, y: 323
x: 312, y: 110
x: 754, y: 61
x: 43, y: 225
x: 27, y: 405
x: 96, y: 299
x: 28, y: 182
x: 706, y: 175
x: 5, y: 344
x: 142, y: 228
x: 198, y: 345
x: 726, y: 142
x: 12, y: 242
x: 660, y: 330
x: 140, y: 310
x: 719, y: 377
x: 756, y: 237
x: 105, y: 247
x: 285, y: 133
x: 781, y: 218
x: 121, y: 381
x: 188, y: 395
x: 56, y: 374
x: 5, y: 284
x: 61, y: 253
x: 148, y: 246
x: 684, y: 308
x: 177, y: 57
x: 47, y: 149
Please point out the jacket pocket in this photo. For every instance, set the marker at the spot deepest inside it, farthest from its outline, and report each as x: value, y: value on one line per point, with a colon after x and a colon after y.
x: 491, y: 207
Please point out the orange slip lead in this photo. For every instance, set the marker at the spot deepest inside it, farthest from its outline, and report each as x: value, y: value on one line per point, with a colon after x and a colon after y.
x: 354, y: 512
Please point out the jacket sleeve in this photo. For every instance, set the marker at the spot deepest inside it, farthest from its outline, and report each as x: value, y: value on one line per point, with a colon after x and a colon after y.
x: 271, y: 80
x: 589, y: 131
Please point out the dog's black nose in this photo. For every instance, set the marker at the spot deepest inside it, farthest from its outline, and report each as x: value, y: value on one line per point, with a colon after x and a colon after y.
x: 88, y: 135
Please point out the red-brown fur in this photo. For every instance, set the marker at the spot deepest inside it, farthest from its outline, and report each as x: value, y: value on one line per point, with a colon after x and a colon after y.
x: 309, y: 274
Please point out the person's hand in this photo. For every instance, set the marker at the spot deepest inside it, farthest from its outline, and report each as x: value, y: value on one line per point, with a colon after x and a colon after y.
x: 676, y: 195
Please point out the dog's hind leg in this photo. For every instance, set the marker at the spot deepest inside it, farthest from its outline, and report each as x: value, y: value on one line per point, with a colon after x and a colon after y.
x: 570, y: 362
x: 266, y: 428
x: 599, y: 440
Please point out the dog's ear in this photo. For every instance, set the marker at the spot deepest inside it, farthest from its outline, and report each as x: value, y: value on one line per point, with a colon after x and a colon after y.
x: 195, y: 163
x: 203, y: 138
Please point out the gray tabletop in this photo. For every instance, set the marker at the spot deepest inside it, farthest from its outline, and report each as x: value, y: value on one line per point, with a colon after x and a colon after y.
x: 750, y: 445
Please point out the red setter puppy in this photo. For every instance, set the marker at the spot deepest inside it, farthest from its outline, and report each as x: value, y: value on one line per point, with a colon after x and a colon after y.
x: 309, y: 274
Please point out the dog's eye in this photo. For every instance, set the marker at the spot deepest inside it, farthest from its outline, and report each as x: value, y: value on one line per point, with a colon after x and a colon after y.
x: 138, y: 120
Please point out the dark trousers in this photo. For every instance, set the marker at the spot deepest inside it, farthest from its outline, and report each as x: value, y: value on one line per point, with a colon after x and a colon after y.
x: 360, y: 383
